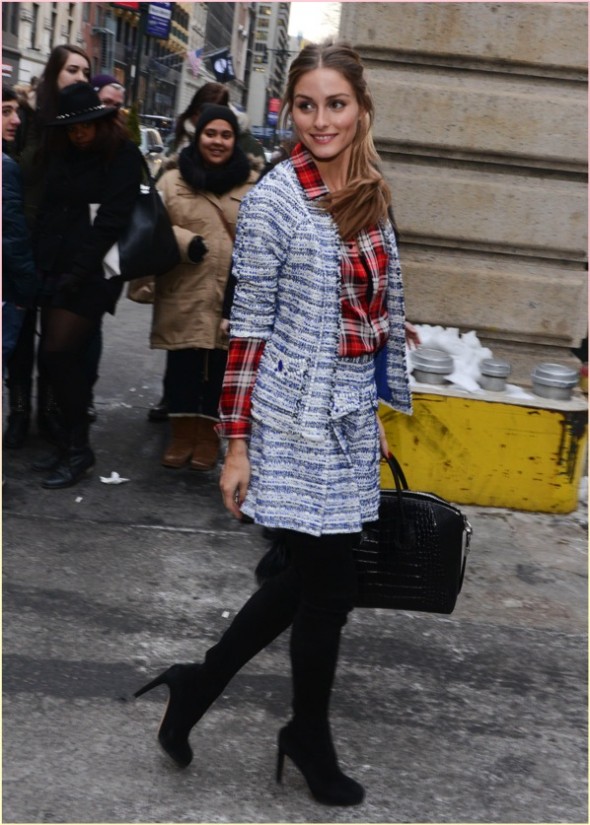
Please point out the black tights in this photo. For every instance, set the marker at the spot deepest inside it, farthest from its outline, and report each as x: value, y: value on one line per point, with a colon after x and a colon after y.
x: 64, y: 338
x: 313, y: 596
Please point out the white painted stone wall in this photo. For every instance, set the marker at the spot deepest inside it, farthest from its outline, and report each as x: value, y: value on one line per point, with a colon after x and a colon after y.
x: 482, y: 129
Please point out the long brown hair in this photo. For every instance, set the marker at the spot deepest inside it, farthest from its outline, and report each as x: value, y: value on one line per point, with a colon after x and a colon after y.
x: 366, y: 197
x: 47, y: 91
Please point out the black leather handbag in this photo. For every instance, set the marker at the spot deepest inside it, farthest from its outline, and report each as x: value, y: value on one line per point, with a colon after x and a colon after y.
x: 414, y: 556
x: 148, y: 245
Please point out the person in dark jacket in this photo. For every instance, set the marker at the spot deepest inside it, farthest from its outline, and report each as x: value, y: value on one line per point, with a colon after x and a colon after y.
x: 66, y: 64
x: 95, y: 167
x: 19, y: 277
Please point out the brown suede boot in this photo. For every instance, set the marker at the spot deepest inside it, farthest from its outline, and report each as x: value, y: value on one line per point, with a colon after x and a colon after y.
x: 206, y: 446
x: 181, y: 445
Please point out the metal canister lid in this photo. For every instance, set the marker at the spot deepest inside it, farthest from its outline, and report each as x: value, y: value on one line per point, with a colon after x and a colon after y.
x: 495, y: 368
x: 433, y: 360
x: 555, y: 375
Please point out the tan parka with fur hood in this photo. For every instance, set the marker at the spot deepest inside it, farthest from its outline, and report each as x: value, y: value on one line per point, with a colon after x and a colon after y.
x: 189, y: 299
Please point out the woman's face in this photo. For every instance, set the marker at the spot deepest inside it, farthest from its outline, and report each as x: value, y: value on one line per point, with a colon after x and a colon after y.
x: 216, y: 142
x: 82, y: 134
x: 326, y: 114
x: 74, y: 70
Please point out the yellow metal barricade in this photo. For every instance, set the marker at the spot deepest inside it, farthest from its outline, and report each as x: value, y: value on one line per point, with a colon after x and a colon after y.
x: 491, y: 449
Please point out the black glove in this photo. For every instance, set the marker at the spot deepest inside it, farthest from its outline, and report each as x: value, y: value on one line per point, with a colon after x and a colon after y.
x: 196, y: 250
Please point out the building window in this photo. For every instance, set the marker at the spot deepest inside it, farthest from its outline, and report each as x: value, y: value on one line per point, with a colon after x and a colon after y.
x: 34, y: 25
x: 10, y: 12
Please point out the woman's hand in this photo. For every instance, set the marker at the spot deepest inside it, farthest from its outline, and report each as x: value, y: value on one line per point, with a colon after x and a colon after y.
x: 224, y: 327
x: 382, y: 438
x: 235, y: 476
x: 412, y: 336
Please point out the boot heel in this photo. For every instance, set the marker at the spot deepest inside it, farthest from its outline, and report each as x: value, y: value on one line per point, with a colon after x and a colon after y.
x: 159, y: 680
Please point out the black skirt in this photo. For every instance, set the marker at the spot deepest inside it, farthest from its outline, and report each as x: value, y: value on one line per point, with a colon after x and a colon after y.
x: 91, y: 299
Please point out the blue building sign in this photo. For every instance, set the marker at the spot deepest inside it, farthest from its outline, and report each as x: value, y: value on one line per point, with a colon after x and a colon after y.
x: 159, y: 20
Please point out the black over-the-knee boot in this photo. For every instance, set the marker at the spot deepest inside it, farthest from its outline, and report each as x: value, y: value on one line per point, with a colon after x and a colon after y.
x: 194, y: 687
x: 328, y: 585
x: 71, y: 387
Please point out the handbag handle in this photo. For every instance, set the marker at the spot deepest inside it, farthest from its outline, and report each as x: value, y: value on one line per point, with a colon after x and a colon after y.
x: 401, y: 484
x: 397, y: 473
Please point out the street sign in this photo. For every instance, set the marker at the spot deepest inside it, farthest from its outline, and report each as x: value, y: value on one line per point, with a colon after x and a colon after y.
x: 159, y: 20
x: 272, y: 115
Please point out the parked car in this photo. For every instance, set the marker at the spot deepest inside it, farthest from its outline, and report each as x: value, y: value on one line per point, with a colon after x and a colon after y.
x: 152, y: 148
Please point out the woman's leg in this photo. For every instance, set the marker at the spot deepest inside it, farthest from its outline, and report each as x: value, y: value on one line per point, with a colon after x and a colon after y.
x: 182, y: 393
x: 194, y: 687
x: 65, y: 337
x: 328, y: 577
x: 326, y: 569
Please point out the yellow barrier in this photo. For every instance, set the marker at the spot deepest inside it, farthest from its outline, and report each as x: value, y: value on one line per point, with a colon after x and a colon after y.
x: 491, y: 449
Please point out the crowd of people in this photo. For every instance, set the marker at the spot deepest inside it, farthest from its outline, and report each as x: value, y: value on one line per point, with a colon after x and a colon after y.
x: 287, y: 293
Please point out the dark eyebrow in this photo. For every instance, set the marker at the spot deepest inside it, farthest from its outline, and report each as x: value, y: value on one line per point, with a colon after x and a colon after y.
x: 340, y: 94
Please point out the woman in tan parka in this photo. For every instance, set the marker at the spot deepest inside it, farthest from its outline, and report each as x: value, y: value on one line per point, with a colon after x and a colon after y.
x: 202, y: 197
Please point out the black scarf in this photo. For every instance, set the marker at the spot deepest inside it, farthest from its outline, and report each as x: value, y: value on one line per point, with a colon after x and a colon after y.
x: 218, y: 180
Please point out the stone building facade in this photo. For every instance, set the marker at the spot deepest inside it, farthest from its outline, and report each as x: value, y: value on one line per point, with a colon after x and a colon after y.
x: 482, y: 128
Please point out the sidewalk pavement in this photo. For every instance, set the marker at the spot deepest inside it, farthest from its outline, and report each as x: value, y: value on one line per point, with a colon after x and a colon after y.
x: 480, y: 716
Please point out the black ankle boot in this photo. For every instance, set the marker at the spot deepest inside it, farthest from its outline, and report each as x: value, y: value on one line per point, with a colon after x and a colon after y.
x: 316, y: 759
x: 185, y: 708
x: 19, y: 417
x: 75, y: 463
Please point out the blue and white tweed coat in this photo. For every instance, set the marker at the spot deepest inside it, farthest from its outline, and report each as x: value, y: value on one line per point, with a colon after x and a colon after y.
x: 287, y: 264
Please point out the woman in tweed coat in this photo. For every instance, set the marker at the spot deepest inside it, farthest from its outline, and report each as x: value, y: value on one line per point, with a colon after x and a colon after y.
x: 318, y: 294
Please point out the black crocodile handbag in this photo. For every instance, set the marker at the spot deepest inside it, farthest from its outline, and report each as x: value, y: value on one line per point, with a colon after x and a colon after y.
x: 414, y: 556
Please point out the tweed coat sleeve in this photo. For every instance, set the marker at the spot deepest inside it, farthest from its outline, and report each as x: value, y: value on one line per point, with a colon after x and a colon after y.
x: 265, y: 226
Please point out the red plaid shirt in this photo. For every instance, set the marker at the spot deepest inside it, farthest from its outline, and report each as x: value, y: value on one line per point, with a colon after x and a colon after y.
x: 364, y: 328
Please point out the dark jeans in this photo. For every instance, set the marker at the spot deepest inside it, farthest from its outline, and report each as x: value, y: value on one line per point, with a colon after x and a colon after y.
x: 192, y: 384
x: 12, y: 321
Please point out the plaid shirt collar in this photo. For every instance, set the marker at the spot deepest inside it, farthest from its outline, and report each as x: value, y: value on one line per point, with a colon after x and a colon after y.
x: 307, y: 173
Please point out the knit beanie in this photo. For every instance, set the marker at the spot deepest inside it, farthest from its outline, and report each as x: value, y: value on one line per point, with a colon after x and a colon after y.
x: 99, y: 81
x: 213, y: 111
